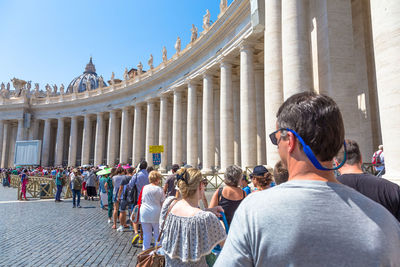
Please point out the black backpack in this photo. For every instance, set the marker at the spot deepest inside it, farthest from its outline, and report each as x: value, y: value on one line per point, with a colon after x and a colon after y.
x: 131, y: 195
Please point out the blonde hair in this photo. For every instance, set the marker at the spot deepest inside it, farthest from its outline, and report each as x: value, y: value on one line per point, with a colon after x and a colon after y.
x: 154, y: 176
x: 188, y: 181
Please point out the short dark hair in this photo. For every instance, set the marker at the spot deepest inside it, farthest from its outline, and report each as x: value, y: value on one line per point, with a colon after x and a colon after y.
x: 130, y: 170
x: 353, y: 154
x: 317, y: 119
x: 120, y: 170
x: 175, y: 167
x: 143, y: 165
x: 281, y: 174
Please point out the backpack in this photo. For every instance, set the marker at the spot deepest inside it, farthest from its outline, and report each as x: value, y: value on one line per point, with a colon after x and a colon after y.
x: 131, y: 194
x: 376, y: 159
x: 77, y: 183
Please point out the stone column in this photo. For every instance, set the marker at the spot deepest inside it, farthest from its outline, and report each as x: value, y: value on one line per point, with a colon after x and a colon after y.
x: 59, y: 142
x: 86, y: 140
x: 247, y: 110
x: 273, y: 75
x: 137, y: 134
x: 385, y: 16
x: 297, y: 70
x: 34, y: 130
x: 177, y: 128
x: 46, y: 143
x: 126, y: 124
x: 259, y: 83
x: 5, y: 145
x: 20, y: 131
x: 149, y: 131
x: 226, y: 116
x: 163, y: 135
x: 73, y: 142
x: 236, y: 115
x: 208, y: 123
x: 1, y: 140
x: 192, y: 132
x: 100, y: 139
x: 112, y: 139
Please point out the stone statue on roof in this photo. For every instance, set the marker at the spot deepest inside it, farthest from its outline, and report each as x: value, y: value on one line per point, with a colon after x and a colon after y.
x: 164, y: 54
x: 101, y: 81
x: 36, y: 89
x: 194, y: 33
x: 150, y: 62
x: 48, y: 89
x: 62, y: 89
x: 3, y: 87
x: 126, y: 75
x: 88, y: 85
x: 55, y: 88
x: 206, y: 21
x: 8, y: 86
x: 140, y: 68
x: 223, y: 6
x: 28, y: 86
x: 112, y: 78
x: 178, y: 45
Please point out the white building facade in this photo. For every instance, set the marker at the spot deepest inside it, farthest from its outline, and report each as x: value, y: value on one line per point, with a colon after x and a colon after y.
x: 214, y: 103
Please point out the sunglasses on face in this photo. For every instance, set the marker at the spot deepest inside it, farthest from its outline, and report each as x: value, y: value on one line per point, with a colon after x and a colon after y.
x: 307, y: 150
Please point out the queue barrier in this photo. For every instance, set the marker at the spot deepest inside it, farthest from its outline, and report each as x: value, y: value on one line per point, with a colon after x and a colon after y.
x: 39, y: 187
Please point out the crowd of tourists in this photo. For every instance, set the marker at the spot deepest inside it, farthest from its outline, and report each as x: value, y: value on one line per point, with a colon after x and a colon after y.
x: 315, y: 208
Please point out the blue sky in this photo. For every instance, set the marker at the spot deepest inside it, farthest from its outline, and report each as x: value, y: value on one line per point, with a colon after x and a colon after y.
x: 50, y: 41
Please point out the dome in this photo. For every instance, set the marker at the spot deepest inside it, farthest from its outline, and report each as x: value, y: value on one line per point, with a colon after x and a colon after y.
x: 80, y: 83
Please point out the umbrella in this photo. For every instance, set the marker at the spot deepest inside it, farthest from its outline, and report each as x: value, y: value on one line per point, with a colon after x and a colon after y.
x: 104, y: 172
x: 126, y: 166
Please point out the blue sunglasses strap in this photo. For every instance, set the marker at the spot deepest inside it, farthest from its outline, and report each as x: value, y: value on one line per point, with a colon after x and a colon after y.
x: 307, y: 150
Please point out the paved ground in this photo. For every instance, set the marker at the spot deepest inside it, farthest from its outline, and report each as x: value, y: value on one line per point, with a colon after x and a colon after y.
x: 45, y: 233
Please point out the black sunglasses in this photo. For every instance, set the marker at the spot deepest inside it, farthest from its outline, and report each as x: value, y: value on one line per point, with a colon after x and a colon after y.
x: 273, y: 138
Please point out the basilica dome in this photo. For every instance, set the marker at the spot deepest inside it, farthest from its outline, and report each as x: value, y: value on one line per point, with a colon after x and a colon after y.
x: 81, y: 83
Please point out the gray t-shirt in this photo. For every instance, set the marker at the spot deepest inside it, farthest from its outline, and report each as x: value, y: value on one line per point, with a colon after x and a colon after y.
x: 311, y: 223
x: 117, y: 182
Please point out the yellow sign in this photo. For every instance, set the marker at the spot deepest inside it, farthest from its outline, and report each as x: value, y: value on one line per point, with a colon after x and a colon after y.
x: 156, y: 149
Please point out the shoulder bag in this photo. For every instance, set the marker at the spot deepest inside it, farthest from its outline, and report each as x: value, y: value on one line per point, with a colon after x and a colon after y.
x: 150, y: 257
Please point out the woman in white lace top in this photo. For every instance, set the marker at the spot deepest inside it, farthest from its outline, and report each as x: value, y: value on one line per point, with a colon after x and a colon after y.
x: 189, y: 232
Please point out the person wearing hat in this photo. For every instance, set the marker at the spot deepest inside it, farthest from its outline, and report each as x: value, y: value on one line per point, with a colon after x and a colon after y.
x: 261, y: 178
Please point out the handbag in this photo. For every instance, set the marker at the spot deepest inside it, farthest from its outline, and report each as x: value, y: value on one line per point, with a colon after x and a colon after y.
x: 136, y: 209
x: 150, y: 257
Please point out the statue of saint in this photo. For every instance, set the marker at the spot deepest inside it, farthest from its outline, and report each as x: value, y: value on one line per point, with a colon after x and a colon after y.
x: 178, y: 45
x: 36, y: 89
x: 3, y: 87
x: 8, y: 86
x: 101, y: 82
x: 206, y: 21
x: 164, y: 54
x: 126, y: 76
x: 140, y: 68
x: 55, y: 89
x: 150, y: 62
x: 194, y: 33
x: 112, y: 78
x: 88, y: 85
x: 62, y: 89
x: 223, y: 6
x: 48, y: 89
x: 28, y: 86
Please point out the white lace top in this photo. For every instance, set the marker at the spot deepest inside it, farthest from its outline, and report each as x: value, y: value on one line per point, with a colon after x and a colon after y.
x: 187, y: 240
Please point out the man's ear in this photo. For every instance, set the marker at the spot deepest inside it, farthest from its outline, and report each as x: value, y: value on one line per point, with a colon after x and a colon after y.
x: 292, y: 142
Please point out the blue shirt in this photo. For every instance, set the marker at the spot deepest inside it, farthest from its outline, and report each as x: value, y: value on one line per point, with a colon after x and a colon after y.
x: 140, y: 179
x: 247, y: 190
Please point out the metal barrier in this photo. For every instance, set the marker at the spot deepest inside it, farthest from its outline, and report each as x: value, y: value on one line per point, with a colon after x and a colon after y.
x: 39, y: 187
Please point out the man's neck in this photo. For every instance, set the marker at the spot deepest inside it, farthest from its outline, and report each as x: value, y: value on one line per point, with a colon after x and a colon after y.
x: 350, y: 169
x: 304, y: 170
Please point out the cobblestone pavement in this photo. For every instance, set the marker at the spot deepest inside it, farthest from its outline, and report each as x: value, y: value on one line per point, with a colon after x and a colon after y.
x: 45, y: 233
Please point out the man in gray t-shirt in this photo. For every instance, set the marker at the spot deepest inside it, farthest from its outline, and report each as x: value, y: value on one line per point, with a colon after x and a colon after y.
x: 311, y: 220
